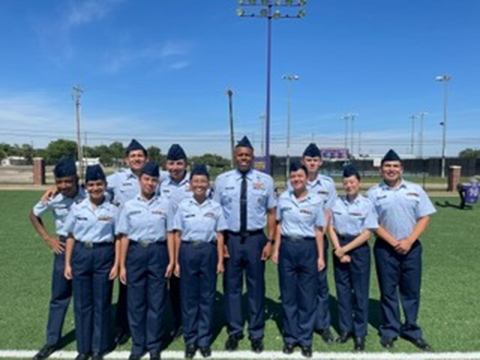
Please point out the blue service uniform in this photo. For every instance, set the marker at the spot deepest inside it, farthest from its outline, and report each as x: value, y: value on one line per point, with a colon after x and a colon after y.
x: 198, y: 258
x: 146, y: 224
x: 297, y: 264
x: 245, y: 248
x: 398, y: 210
x: 61, y: 288
x: 349, y: 219
x: 92, y: 259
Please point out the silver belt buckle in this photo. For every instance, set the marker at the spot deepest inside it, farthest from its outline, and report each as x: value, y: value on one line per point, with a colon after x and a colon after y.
x: 196, y: 243
x: 295, y: 238
x: 143, y: 243
x: 88, y: 244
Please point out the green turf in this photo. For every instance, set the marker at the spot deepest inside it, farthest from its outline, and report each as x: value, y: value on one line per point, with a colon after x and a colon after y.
x: 449, y: 312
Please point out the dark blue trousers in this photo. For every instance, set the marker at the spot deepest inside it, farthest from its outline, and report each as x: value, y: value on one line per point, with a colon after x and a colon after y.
x: 146, y: 294
x: 121, y: 313
x: 352, y: 281
x: 175, y: 300
x: 399, y: 273
x: 323, y: 295
x: 92, y: 296
x: 198, y: 264
x: 297, y: 273
x: 245, y: 258
x: 61, y: 292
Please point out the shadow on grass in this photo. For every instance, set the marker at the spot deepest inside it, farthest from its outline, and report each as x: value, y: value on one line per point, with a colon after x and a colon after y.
x: 450, y: 205
x: 374, y: 313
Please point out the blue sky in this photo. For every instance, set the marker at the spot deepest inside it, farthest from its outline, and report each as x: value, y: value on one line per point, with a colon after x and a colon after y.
x: 158, y: 71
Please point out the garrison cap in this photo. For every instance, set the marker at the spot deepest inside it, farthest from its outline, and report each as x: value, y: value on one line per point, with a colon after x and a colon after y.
x: 94, y: 172
x: 297, y: 165
x: 391, y: 155
x: 312, y: 150
x: 151, y: 168
x: 135, y: 145
x: 350, y: 170
x: 244, y: 142
x: 65, y: 167
x: 199, y: 169
x: 176, y: 152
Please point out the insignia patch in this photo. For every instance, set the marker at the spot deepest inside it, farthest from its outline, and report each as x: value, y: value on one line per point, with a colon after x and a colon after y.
x: 323, y: 192
x: 286, y: 209
x: 127, y: 184
x: 81, y: 218
x: 258, y: 185
x: 355, y: 214
x: 230, y: 188
x: 135, y: 212
x: 337, y: 212
x: 381, y: 197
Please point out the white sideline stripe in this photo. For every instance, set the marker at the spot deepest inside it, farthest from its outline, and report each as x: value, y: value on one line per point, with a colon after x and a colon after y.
x: 268, y: 355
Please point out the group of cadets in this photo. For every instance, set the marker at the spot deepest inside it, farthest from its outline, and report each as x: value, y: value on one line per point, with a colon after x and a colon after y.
x: 166, y: 233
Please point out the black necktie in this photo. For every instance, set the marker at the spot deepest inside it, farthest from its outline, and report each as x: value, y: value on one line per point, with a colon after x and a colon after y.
x: 243, y: 205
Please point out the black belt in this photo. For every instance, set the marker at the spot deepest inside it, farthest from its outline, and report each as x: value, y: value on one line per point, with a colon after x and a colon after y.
x: 244, y: 234
x: 93, y: 245
x: 145, y: 243
x: 297, y: 238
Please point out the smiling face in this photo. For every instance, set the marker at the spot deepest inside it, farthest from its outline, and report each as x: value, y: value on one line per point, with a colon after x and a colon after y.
x: 298, y: 179
x: 351, y: 185
x: 391, y: 172
x: 176, y: 169
x: 67, y: 185
x: 199, y: 185
x: 96, y: 189
x: 243, y: 158
x: 312, y: 163
x: 135, y: 160
x: 148, y: 184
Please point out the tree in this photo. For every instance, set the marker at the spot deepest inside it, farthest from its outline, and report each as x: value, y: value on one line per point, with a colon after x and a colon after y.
x: 469, y: 153
x: 155, y: 154
x: 117, y: 150
x: 58, y: 148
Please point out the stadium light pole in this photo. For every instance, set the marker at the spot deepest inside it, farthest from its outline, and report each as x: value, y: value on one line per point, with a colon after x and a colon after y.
x: 266, y: 11
x: 421, y: 116
x: 412, y: 137
x: 445, y: 79
x: 289, y: 78
x: 349, y: 116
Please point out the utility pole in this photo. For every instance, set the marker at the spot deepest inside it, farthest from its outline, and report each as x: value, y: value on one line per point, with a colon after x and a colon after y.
x: 262, y: 118
x: 412, y: 137
x: 421, y: 115
x: 77, y: 91
x: 230, y: 113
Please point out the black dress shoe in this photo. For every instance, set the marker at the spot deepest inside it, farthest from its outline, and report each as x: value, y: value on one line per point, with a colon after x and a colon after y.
x: 307, y: 351
x: 176, y: 332
x: 135, y: 356
x: 82, y: 357
x: 358, y: 343
x: 154, y: 355
x: 45, y: 352
x: 122, y: 337
x: 288, y: 348
x: 205, y: 351
x: 419, y: 343
x: 326, y: 335
x: 190, y: 351
x: 97, y: 356
x: 257, y: 345
x: 387, y: 342
x: 343, y: 338
x: 232, y: 342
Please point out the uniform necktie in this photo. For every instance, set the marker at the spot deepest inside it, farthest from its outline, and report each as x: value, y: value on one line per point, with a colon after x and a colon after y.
x: 243, y: 204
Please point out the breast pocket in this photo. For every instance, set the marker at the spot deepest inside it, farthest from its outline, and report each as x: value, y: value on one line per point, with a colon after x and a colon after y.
x: 259, y: 197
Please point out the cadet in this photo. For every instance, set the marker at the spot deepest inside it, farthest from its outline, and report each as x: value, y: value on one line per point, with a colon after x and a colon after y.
x: 145, y: 226
x: 352, y: 215
x: 91, y: 261
x: 199, y: 252
x: 123, y: 185
x: 67, y: 193
x: 299, y: 254
x: 404, y: 211
x: 325, y: 187
x: 176, y: 187
x: 248, y: 201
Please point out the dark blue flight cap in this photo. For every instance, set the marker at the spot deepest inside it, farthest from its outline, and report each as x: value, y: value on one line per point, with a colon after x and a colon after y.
x: 94, y: 172
x: 65, y: 167
x: 244, y: 142
x: 199, y: 169
x: 151, y: 168
x: 391, y: 155
x: 176, y: 152
x: 350, y: 170
x: 312, y: 150
x: 297, y: 165
x: 135, y: 145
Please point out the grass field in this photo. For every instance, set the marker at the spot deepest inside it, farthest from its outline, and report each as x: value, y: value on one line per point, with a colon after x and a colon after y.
x: 449, y: 313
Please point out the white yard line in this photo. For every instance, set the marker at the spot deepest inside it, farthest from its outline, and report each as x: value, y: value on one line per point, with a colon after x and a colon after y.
x: 268, y: 355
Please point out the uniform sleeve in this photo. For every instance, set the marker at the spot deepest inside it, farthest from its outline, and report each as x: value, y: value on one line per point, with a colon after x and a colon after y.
x: 371, y: 219
x: 320, y: 220
x: 40, y: 208
x: 170, y: 215
x: 69, y: 224
x: 279, y: 211
x: 216, y: 191
x: 425, y: 206
x: 178, y: 219
x: 221, y: 222
x: 122, y: 221
x: 332, y: 196
x: 272, y: 200
x: 112, y: 182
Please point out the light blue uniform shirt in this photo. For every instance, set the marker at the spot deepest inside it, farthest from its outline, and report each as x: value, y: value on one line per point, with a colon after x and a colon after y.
x: 123, y: 185
x: 399, y: 208
x: 175, y: 192
x: 324, y: 186
x: 199, y: 222
x: 300, y: 217
x: 146, y: 220
x: 88, y: 224
x: 260, y: 197
x: 350, y: 218
x: 60, y: 206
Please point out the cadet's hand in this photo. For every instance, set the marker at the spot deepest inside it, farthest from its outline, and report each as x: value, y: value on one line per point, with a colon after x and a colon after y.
x: 67, y: 272
x: 274, y: 257
x: 176, y: 272
x: 403, y: 246
x: 345, y: 259
x: 267, y: 250
x: 339, y: 252
x: 123, y: 275
x: 320, y: 264
x: 113, y: 272
x: 55, y: 244
x: 51, y: 191
x: 226, y: 254
x: 220, y: 268
x: 169, y: 270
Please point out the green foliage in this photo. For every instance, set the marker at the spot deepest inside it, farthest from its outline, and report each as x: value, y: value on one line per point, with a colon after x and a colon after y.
x: 58, y: 148
x: 155, y: 154
x: 212, y: 160
x: 469, y: 153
